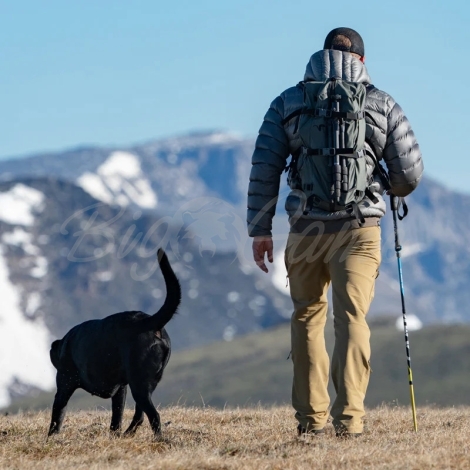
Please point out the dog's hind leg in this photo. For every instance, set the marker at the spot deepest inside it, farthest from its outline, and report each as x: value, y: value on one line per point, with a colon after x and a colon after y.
x: 137, y: 421
x: 118, y: 402
x: 144, y: 401
x: 65, y: 390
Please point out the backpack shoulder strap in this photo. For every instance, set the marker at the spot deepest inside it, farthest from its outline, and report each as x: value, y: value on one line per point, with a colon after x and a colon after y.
x: 297, y: 112
x: 325, y: 113
x: 378, y: 168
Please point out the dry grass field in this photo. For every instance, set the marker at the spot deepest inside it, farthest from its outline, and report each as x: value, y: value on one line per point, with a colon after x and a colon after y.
x: 257, y: 438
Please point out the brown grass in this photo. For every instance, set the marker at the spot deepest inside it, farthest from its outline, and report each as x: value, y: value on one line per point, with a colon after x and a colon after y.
x: 204, y: 438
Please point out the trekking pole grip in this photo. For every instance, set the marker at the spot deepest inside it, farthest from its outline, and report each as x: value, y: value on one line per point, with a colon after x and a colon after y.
x: 394, y: 205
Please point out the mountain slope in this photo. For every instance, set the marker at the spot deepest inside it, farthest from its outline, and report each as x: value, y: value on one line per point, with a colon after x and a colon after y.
x: 66, y: 257
x: 254, y: 369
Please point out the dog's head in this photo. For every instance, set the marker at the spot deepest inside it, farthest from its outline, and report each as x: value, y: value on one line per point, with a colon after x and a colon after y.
x: 55, y: 353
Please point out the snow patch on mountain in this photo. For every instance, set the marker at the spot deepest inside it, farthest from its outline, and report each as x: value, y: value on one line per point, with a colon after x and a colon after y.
x: 103, y: 276
x: 223, y: 138
x: 18, y: 205
x: 413, y: 323
x: 176, y: 144
x: 279, y: 278
x: 33, y: 302
x: 95, y: 186
x: 24, y: 343
x: 120, y: 180
x: 412, y: 249
x: 40, y: 270
x: 38, y: 263
x: 19, y: 237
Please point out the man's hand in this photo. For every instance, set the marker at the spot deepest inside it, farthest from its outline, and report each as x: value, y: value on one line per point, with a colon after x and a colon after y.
x: 262, y: 245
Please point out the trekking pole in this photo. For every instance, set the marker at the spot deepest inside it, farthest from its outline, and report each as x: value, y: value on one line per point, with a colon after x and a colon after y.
x: 394, y: 205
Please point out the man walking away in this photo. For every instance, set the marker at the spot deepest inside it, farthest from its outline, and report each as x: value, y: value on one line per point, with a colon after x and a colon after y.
x: 337, y: 126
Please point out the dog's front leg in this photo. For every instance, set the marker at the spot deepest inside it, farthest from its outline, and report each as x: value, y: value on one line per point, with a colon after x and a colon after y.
x: 118, y: 404
x: 64, y: 391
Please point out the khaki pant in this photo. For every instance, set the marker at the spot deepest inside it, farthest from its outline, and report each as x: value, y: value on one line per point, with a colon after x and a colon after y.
x: 350, y: 261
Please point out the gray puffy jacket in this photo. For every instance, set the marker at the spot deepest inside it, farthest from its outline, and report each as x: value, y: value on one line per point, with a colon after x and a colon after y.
x: 389, y: 136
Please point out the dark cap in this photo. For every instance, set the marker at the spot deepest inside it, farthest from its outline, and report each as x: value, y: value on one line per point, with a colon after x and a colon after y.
x: 357, y: 44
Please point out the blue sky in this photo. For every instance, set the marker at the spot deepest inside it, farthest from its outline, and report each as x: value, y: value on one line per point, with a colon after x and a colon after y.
x: 119, y: 72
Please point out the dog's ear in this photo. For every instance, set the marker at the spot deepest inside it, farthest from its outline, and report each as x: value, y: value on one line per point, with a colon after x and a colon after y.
x: 55, y: 353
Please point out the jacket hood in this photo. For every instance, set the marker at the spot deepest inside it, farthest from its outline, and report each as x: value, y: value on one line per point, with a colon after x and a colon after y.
x: 330, y: 63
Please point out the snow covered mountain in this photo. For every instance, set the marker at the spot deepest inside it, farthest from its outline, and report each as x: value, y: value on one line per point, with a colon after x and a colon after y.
x: 161, y: 175
x: 77, y: 230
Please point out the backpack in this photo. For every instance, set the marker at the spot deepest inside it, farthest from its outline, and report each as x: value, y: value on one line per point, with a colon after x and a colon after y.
x: 330, y: 166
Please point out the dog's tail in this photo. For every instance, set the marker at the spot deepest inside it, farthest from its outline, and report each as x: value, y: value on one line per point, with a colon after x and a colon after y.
x: 173, y: 296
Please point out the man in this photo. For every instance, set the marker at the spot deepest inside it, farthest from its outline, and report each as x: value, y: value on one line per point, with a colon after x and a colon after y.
x: 341, y: 247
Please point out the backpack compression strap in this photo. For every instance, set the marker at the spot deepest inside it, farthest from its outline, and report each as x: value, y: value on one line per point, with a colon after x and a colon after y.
x: 347, y: 152
x: 328, y: 113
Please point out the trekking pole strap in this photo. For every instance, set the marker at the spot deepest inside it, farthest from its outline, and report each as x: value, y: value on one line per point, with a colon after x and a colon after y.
x: 398, y: 203
x: 404, y: 206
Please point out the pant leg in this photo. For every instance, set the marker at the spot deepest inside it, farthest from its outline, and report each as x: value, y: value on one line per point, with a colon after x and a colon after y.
x: 308, y: 280
x: 353, y: 269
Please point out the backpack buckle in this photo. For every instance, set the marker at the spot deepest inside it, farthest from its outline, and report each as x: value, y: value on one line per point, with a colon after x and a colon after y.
x: 319, y: 112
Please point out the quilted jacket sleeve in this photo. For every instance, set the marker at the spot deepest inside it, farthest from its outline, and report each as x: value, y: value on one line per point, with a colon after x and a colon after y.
x: 401, y: 153
x: 268, y: 162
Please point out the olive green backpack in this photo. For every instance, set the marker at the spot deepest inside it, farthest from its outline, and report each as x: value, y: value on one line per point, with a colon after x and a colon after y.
x: 330, y: 166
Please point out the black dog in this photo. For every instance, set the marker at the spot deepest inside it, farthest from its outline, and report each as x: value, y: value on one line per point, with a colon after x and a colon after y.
x: 104, y: 356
